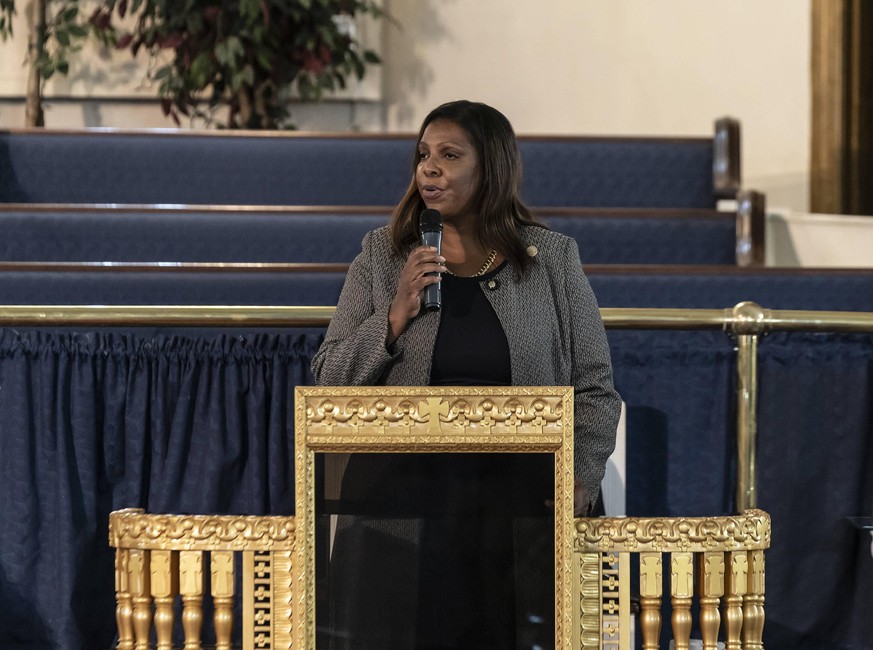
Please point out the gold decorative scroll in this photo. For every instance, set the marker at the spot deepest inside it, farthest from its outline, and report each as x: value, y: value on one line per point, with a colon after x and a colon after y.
x: 747, y: 531
x: 587, y: 570
x: 439, y: 417
x: 131, y: 528
x: 448, y: 419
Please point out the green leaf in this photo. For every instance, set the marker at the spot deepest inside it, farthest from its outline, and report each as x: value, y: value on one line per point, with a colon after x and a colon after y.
x: 46, y: 69
x: 200, y: 72
x: 235, y: 47
x: 250, y: 10
x: 264, y: 59
x: 358, y: 65
x: 194, y: 23
x: 222, y: 53
x: 371, y: 57
x: 79, y: 31
x: 68, y: 14
x: 163, y: 72
x: 248, y: 75
x: 63, y: 37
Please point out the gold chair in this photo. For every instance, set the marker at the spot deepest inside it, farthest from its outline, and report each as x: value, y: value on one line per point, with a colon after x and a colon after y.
x: 159, y: 558
x: 718, y: 559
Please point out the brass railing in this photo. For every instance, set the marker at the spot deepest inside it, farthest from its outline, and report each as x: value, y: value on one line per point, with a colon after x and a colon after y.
x: 746, y: 322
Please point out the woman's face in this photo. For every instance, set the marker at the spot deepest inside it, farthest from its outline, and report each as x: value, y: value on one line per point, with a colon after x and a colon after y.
x: 448, y: 172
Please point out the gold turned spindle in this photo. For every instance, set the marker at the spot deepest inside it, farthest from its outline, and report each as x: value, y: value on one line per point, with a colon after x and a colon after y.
x: 682, y: 592
x: 736, y: 580
x: 710, y: 588
x: 164, y: 570
x: 138, y: 562
x: 124, y: 608
x: 753, y: 603
x: 650, y: 599
x: 222, y: 597
x: 191, y: 588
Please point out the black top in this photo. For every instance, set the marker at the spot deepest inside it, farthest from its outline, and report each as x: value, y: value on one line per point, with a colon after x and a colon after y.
x: 471, y: 347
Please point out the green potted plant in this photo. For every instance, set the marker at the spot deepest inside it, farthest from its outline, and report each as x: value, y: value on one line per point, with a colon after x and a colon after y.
x: 247, y: 57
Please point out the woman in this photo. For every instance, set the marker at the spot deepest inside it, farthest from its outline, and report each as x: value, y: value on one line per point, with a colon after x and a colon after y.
x: 516, y: 310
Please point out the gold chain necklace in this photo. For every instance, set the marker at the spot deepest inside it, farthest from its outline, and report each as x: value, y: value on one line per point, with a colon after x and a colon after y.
x: 487, y: 265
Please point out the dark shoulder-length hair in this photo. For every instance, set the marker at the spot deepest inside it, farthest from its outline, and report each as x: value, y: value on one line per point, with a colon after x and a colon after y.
x: 501, y: 210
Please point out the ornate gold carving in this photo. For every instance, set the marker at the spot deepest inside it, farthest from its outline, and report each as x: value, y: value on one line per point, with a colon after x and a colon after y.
x: 191, y: 588
x: 682, y: 591
x: 588, y: 589
x: 682, y: 574
x: 712, y: 574
x: 650, y: 575
x: 710, y: 588
x: 142, y: 603
x: 191, y: 573
x: 531, y: 419
x: 651, y: 587
x: 222, y: 597
x: 753, y: 603
x: 735, y: 586
x: 132, y: 528
x: 124, y: 607
x: 357, y: 420
x: 610, y: 599
x: 164, y: 571
x: 750, y: 530
x: 283, y: 600
x: 263, y: 599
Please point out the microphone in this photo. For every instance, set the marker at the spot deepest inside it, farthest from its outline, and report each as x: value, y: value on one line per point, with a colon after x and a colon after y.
x: 430, y: 227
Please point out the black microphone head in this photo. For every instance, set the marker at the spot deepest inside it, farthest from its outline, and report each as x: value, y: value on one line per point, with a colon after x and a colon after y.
x: 430, y: 220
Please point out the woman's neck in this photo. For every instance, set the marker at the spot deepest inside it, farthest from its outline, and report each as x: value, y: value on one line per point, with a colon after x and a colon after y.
x: 461, y: 247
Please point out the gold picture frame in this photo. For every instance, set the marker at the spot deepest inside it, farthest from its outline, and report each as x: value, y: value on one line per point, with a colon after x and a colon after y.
x: 392, y: 419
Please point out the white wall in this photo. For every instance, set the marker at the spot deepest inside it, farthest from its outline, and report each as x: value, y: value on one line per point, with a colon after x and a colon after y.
x: 819, y: 240
x: 669, y: 67
x: 641, y: 67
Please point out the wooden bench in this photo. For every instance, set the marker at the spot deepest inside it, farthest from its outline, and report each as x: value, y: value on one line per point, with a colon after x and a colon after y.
x: 269, y: 168
x: 331, y: 234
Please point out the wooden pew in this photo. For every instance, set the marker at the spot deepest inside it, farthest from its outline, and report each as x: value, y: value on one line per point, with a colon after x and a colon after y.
x: 316, y: 234
x: 655, y: 286
x: 113, y: 166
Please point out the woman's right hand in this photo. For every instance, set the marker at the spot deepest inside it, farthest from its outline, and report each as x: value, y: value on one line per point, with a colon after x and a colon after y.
x: 413, y: 279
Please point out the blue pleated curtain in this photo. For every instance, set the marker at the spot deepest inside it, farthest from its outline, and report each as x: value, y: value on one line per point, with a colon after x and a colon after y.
x: 100, y: 421
x: 203, y: 423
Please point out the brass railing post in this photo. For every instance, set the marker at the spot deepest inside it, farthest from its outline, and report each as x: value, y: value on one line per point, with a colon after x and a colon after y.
x: 747, y: 323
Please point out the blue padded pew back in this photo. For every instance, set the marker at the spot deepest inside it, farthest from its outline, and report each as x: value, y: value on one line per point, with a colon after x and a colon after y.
x: 96, y: 235
x: 37, y: 234
x: 703, y: 287
x: 668, y: 237
x: 720, y: 287
x: 210, y: 168
x: 112, y: 287
x: 616, y: 172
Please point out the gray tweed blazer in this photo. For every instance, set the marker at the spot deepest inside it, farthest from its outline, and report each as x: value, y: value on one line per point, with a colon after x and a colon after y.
x: 551, y: 321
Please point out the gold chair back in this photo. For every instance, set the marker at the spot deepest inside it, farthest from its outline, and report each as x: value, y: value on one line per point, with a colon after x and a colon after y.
x: 161, y: 558
x: 720, y: 560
